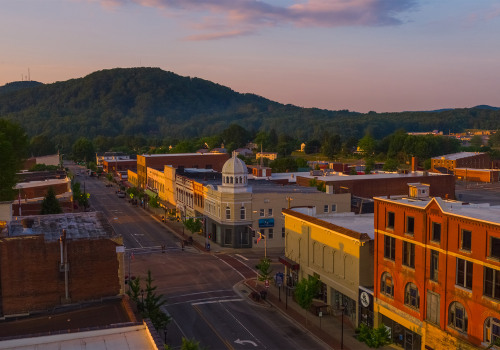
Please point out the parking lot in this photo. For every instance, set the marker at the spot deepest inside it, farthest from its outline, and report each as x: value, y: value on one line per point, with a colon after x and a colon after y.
x: 475, y: 192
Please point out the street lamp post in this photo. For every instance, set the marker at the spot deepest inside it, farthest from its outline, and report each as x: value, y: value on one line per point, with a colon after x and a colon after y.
x: 342, y: 308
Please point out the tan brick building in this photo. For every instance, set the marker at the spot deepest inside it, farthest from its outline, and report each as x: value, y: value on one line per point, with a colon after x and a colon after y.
x: 179, y: 161
x: 476, y: 160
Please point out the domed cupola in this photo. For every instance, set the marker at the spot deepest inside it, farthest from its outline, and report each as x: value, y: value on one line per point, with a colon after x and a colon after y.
x: 234, y: 172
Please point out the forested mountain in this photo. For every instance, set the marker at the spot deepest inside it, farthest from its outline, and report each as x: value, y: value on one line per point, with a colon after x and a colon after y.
x: 18, y: 85
x: 153, y: 103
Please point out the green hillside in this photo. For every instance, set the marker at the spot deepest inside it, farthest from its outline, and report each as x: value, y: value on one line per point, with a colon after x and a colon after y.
x: 152, y: 103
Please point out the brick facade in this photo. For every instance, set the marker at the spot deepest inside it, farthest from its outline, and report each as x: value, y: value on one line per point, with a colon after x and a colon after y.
x: 444, y: 250
x: 31, y: 275
x: 369, y: 186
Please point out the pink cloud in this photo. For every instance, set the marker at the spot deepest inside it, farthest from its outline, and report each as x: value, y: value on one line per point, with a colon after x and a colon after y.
x: 241, y: 17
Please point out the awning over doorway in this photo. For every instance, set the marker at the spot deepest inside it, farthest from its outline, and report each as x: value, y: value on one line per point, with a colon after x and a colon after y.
x: 289, y: 263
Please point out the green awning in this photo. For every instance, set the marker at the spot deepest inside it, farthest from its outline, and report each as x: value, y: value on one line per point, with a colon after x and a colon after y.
x: 151, y: 193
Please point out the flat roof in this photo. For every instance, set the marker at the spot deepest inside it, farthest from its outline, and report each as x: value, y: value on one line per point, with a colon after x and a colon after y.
x: 478, y: 211
x: 459, y: 155
x: 48, y: 182
x: 131, y: 337
x: 362, y: 223
x: 362, y: 230
x: 86, y: 225
x: 374, y: 176
x: 181, y: 154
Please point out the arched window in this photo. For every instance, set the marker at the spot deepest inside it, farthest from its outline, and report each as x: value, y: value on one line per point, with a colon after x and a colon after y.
x: 230, y: 179
x: 412, y: 298
x: 236, y: 180
x: 491, y: 330
x: 457, y: 317
x: 228, y: 213
x: 386, y: 285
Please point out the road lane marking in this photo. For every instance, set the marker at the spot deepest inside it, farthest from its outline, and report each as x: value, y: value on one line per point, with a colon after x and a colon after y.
x: 243, y: 342
x: 205, y: 292
x: 216, y: 301
x: 209, y: 324
x: 231, y: 267
x: 241, y: 256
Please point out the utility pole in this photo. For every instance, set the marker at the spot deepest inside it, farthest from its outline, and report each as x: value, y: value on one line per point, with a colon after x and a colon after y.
x: 289, y: 199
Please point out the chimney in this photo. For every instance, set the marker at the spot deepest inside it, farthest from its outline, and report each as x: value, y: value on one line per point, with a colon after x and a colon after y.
x: 413, y: 164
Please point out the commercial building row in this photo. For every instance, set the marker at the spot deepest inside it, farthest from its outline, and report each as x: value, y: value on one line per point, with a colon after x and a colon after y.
x: 426, y: 268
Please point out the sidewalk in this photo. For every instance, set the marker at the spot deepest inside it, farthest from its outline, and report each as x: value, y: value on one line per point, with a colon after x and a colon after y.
x: 328, y: 329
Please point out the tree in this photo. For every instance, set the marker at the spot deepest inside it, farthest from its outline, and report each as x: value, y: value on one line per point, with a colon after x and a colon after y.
x: 42, y: 145
x: 13, y: 150
x: 367, y: 144
x: 331, y: 145
x: 153, y: 303
x: 312, y: 146
x: 476, y: 141
x: 374, y: 337
x: 235, y: 135
x: 369, y: 165
x: 50, y: 204
x: 305, y: 291
x: 281, y: 165
x: 154, y: 202
x: 193, y: 225
x: 83, y: 150
x: 265, y: 269
x: 81, y: 198
x: 390, y: 165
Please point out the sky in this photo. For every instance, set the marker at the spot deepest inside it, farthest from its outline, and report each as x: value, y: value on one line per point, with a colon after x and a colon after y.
x: 360, y: 55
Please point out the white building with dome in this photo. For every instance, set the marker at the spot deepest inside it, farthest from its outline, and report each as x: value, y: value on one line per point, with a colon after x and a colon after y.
x: 237, y: 208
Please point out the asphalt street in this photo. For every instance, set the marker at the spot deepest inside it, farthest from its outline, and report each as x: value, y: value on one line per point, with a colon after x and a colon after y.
x: 199, y: 286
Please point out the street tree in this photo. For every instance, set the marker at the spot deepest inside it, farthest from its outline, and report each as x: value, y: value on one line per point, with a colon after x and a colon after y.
x: 193, y: 225
x: 153, y: 303
x: 265, y: 270
x: 305, y: 291
x: 50, y: 204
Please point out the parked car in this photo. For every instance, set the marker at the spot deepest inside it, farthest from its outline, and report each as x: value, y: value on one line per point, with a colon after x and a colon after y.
x: 121, y: 194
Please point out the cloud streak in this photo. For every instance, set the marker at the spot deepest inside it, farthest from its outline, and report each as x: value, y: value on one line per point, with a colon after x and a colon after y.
x: 229, y: 18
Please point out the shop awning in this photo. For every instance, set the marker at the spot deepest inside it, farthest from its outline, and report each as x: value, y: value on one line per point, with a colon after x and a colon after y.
x: 151, y: 193
x: 289, y: 263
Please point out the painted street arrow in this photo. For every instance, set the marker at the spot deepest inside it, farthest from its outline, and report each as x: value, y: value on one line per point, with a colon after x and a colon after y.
x: 243, y: 342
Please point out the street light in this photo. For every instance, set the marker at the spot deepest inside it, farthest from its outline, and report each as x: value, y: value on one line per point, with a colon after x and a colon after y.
x: 342, y: 308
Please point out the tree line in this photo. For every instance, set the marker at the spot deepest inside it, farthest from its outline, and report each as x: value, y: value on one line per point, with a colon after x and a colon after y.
x: 130, y: 107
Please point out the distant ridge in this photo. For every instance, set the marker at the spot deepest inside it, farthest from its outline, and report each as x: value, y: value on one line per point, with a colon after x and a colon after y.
x: 120, y: 105
x: 487, y: 107
x: 18, y: 85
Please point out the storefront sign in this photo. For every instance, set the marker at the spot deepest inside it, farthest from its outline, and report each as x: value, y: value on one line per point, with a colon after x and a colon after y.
x: 266, y: 222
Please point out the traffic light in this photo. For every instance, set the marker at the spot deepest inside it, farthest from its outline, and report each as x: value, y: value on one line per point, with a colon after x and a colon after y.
x: 209, y: 236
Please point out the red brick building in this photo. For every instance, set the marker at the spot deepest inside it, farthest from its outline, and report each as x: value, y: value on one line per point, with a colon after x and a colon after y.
x: 111, y: 166
x: 32, y: 193
x: 34, y: 255
x: 373, y: 185
x: 437, y: 272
